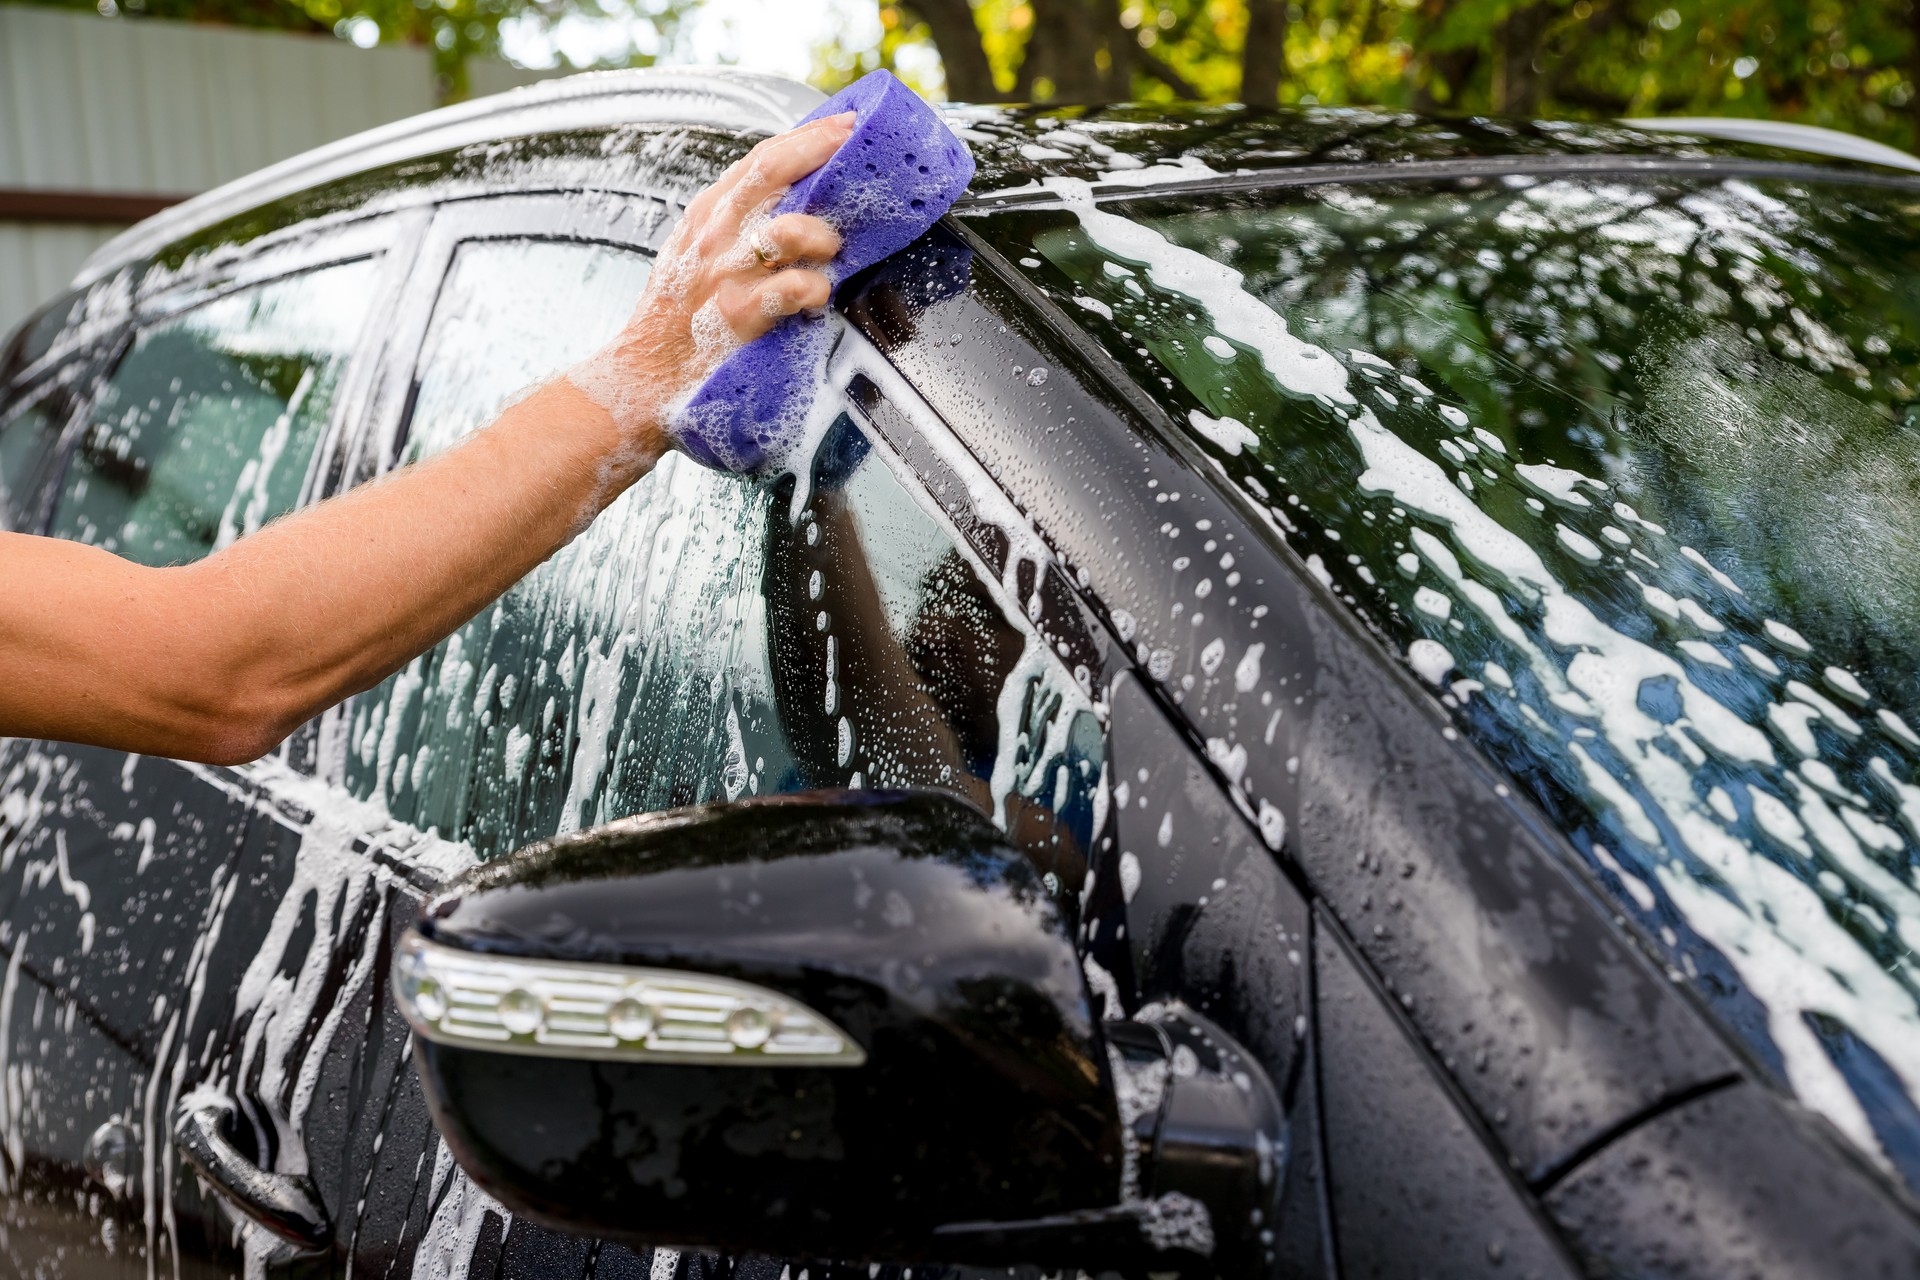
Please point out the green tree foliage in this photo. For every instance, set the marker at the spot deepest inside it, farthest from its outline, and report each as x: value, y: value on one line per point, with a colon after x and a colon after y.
x: 455, y: 30
x: 1847, y: 66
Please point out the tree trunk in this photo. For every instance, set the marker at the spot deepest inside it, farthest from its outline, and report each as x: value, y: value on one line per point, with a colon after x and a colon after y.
x: 1263, y: 62
x: 1122, y: 48
x: 1065, y: 47
x: 1516, y: 84
x: 1441, y: 75
x: 1058, y: 59
x: 962, y: 55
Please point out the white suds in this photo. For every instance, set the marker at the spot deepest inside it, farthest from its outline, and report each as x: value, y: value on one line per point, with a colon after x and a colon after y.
x: 1231, y: 434
x: 1429, y: 660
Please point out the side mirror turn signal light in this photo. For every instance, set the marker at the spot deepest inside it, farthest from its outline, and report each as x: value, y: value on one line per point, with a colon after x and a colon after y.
x: 610, y: 1012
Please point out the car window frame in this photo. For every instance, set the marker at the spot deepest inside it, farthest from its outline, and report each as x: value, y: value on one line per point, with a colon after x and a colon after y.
x: 623, y: 220
x: 395, y: 237
x: 73, y: 377
x: 912, y: 440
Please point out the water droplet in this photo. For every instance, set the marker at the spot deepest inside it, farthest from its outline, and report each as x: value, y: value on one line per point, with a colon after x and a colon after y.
x: 1037, y: 375
x: 748, y: 1027
x: 522, y: 1012
x: 631, y: 1019
x: 429, y: 1001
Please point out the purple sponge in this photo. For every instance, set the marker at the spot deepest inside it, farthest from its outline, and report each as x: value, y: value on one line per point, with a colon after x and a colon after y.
x: 892, y: 179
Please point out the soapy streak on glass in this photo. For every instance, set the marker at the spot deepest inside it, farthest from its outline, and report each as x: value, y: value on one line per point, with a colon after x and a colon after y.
x: 1653, y: 446
x: 703, y: 639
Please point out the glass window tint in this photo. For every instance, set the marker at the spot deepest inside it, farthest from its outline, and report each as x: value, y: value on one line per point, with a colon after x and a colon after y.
x: 510, y: 313
x: 35, y: 337
x: 205, y: 429
x: 27, y: 440
x: 1630, y: 474
x: 703, y: 639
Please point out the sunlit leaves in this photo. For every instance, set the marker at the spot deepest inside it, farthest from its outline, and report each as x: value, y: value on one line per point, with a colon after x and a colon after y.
x: 1825, y: 62
x: 1819, y: 61
x: 455, y: 30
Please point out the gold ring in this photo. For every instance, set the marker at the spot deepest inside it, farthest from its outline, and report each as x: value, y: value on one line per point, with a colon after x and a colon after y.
x: 762, y: 251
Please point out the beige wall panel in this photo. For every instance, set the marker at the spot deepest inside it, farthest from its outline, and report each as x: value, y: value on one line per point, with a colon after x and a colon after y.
x: 152, y: 106
x: 38, y: 259
x: 172, y: 108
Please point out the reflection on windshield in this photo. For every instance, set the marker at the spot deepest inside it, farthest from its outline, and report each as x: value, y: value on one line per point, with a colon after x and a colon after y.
x: 1628, y: 473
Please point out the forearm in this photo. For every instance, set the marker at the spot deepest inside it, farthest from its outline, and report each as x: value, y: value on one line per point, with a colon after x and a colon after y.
x: 330, y: 601
x: 220, y: 659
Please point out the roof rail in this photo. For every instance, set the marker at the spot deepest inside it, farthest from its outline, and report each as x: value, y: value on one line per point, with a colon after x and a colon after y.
x: 1788, y: 137
x: 723, y: 98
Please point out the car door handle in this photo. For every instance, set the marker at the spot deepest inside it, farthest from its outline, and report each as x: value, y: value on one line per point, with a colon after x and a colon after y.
x: 285, y: 1204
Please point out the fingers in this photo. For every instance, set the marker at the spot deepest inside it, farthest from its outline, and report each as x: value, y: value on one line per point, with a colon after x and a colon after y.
x: 818, y: 138
x: 751, y: 309
x: 794, y: 237
x: 726, y: 253
x: 781, y: 161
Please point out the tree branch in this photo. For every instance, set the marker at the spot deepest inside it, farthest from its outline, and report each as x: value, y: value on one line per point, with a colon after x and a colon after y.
x: 1166, y: 75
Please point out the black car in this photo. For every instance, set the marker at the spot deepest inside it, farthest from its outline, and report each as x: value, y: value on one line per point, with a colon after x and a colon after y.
x: 1338, y: 699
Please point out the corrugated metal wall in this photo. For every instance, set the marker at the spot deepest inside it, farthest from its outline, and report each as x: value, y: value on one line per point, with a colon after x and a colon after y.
x: 90, y: 104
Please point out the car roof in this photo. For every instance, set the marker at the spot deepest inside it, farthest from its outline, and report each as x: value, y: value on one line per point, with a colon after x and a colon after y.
x: 1023, y: 152
x: 719, y: 98
x: 1019, y: 149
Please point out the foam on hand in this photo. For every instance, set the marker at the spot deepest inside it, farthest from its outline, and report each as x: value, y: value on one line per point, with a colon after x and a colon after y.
x: 900, y: 169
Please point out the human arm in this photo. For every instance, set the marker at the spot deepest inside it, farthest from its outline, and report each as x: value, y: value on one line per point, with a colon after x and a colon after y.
x: 218, y: 660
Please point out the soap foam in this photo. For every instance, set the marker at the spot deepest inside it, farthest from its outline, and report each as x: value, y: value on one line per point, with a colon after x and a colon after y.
x: 607, y: 379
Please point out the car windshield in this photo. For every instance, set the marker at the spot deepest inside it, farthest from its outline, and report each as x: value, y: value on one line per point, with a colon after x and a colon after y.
x: 1629, y: 472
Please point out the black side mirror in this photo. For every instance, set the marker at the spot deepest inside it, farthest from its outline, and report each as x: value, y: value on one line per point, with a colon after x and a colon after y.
x: 838, y: 1025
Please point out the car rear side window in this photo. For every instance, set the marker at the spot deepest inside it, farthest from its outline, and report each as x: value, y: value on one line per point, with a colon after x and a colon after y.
x: 207, y: 427
x: 707, y: 638
x: 28, y: 436
x: 1626, y: 471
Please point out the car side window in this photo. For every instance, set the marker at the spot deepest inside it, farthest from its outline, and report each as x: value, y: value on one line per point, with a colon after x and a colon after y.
x: 708, y: 637
x: 28, y: 437
x: 206, y: 428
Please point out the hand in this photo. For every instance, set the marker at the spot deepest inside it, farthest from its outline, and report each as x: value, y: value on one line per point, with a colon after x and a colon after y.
x: 724, y: 277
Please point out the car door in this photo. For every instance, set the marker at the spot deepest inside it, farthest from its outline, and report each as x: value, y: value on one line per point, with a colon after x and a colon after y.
x: 1226, y: 656
x: 1487, y: 1018
x: 141, y: 899
x: 709, y: 637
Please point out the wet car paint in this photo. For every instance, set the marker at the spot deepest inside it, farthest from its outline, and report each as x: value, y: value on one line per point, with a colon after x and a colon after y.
x: 1381, y: 806
x: 1536, y: 1018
